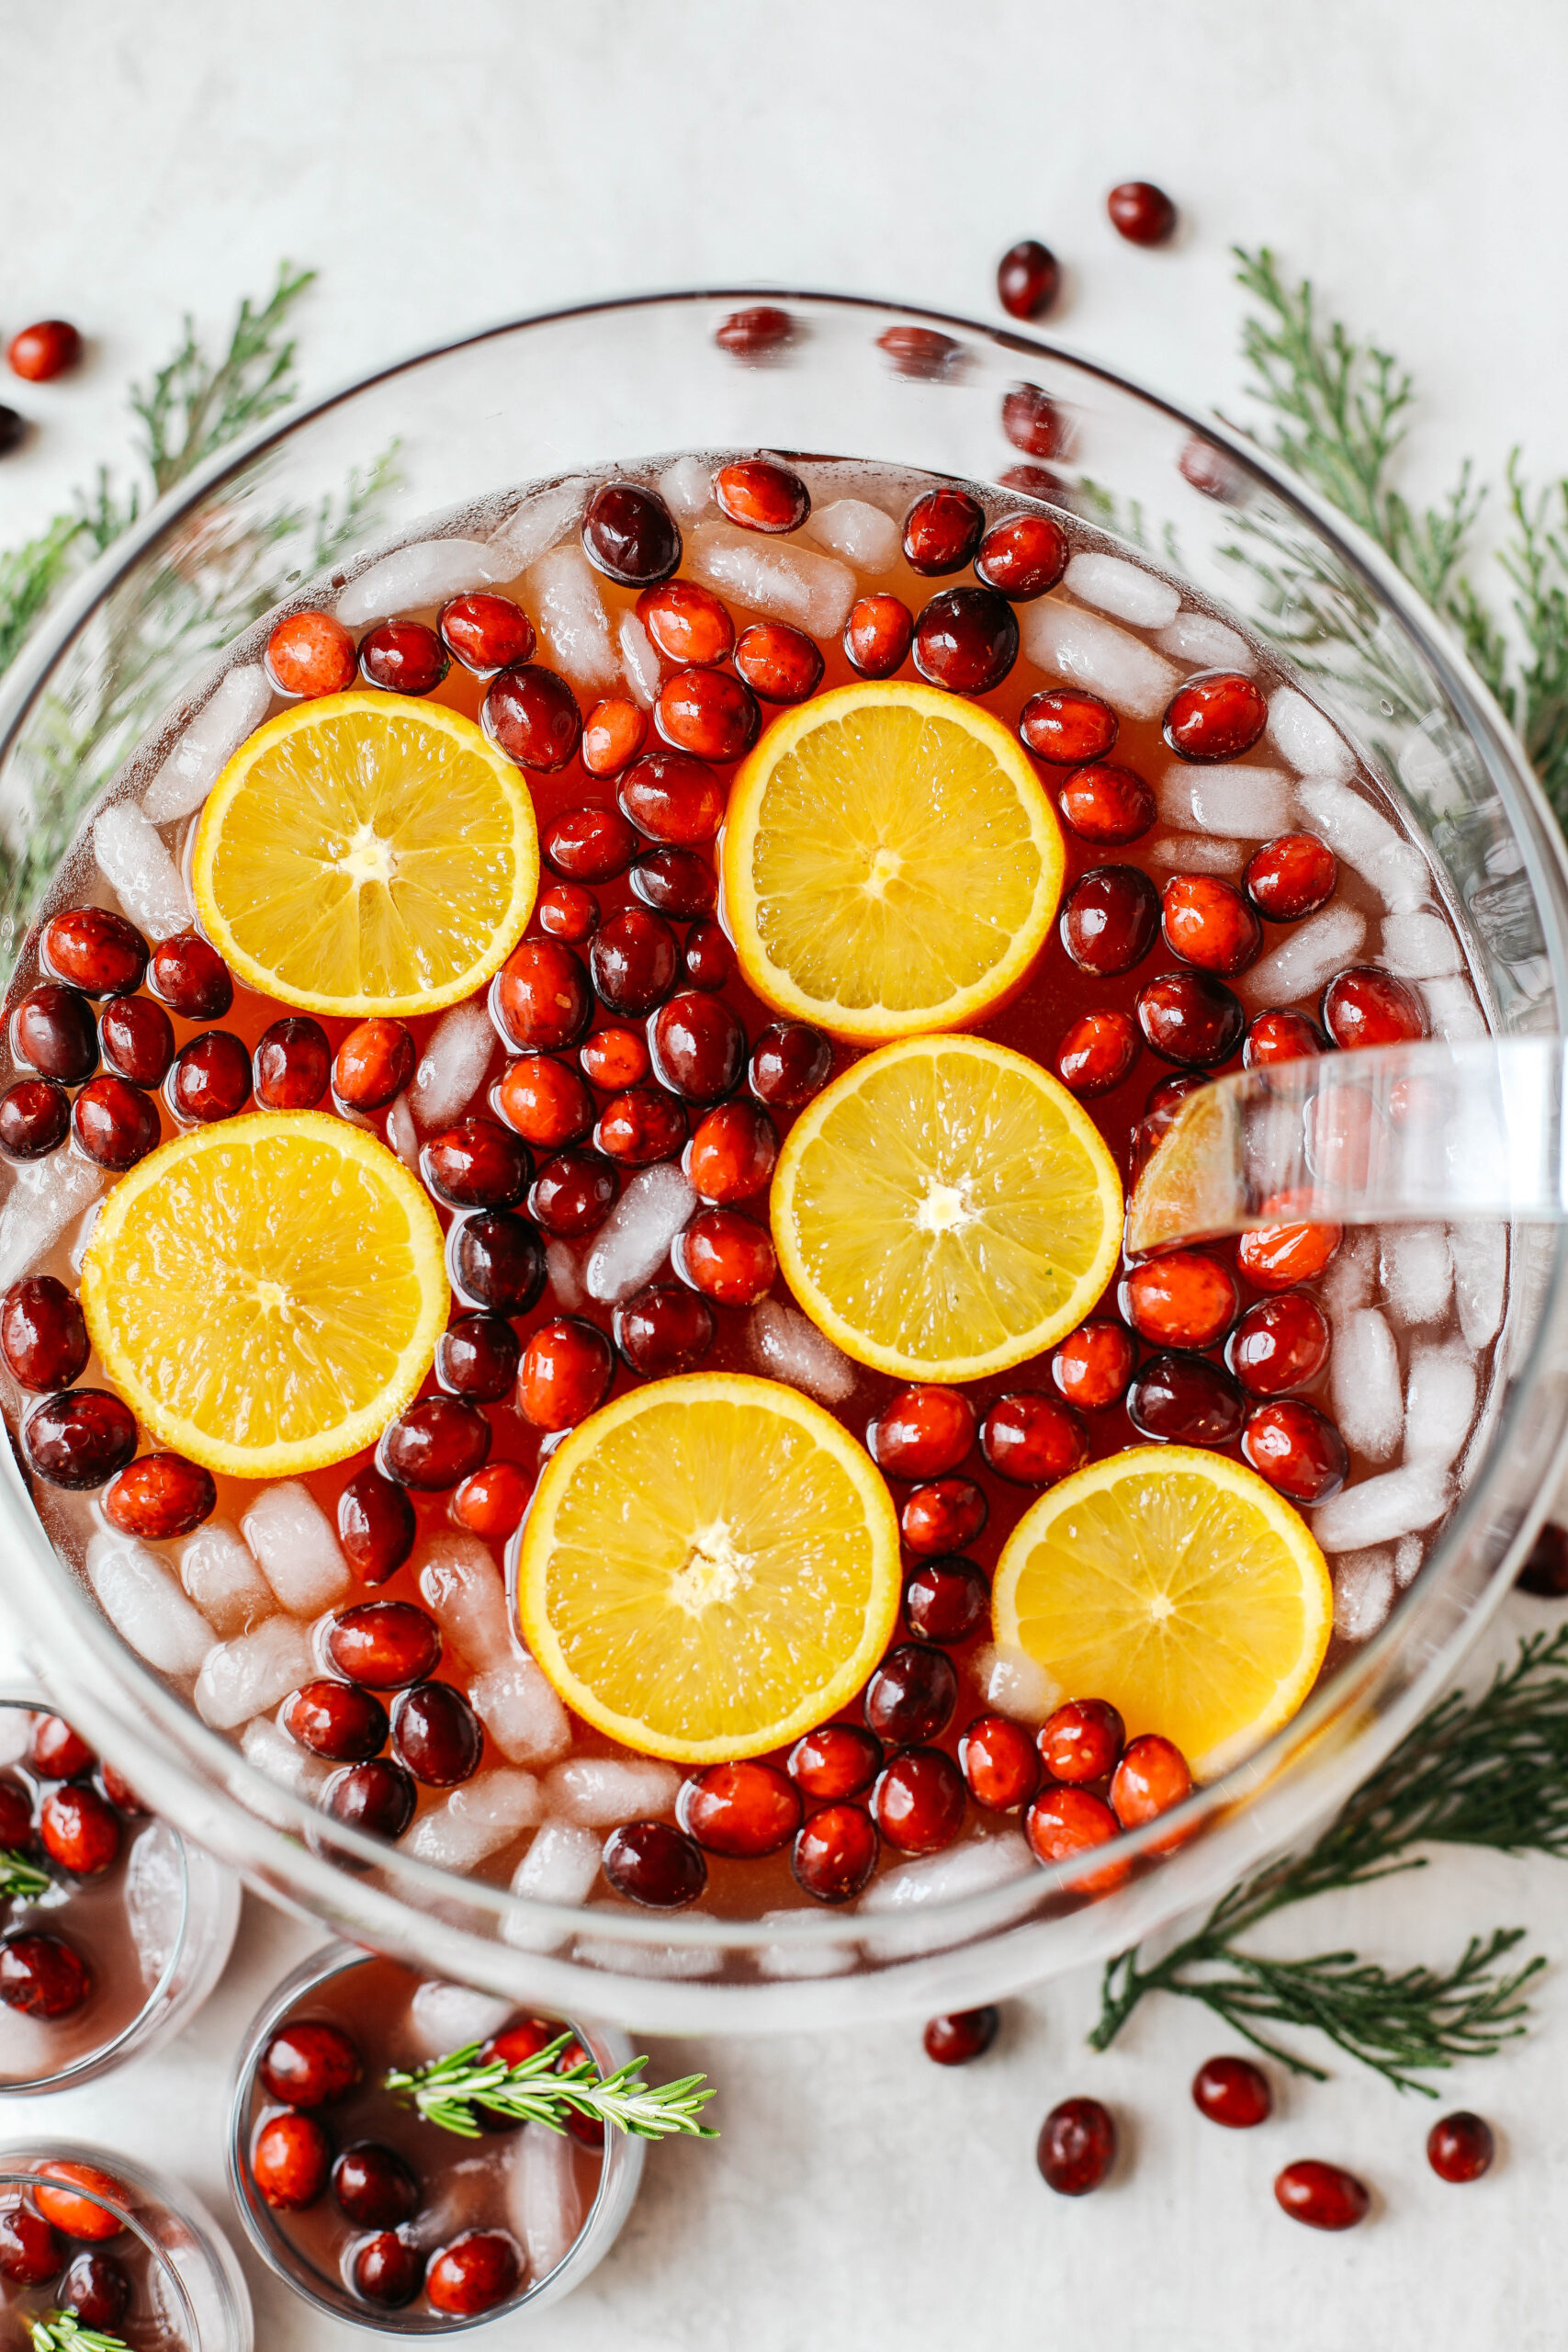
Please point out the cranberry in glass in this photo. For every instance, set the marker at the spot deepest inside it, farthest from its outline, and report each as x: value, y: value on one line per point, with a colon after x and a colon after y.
x: 1545, y: 1571
x: 762, y: 495
x: 1028, y: 279
x: 1081, y: 1741
x: 941, y: 1516
x: 532, y: 714
x: 664, y: 1329
x: 697, y: 1044
x: 919, y: 1800
x: 615, y: 1058
x: 1291, y: 877
x: 711, y: 714
x: 911, y: 1696
x: 1184, y: 1300
x: 191, y: 977
x: 1107, y: 805
x: 437, y: 1735
x: 291, y: 2160
x: 308, y: 2065
x: 386, y: 2270
x: 491, y: 1503
x: 1208, y: 921
x: 1093, y: 1364
x: 921, y: 1432
x: 641, y: 1125
x: 1032, y: 1440
x: 52, y: 1030
x: 878, y: 635
x: 30, y: 2253
x: 1141, y: 213
x: 44, y: 350
x: 545, y: 1102
x: 79, y: 1829
x: 210, y: 1078
x: 1216, y: 716
x: 589, y: 844
x: 966, y: 2034
x: 43, y: 1975
x: 1279, y: 1344
x: 1022, y: 556
x: 1151, y: 1777
x: 836, y: 1761
x: 571, y: 1195
x: 384, y: 1644
x: 634, y: 960
x: 1071, y: 729
x: 114, y: 1124
x: 1077, y: 2147
x: 710, y: 959
x: 374, y: 2188
x: 497, y: 1260
x: 375, y: 1062
x: 566, y: 1372
x: 477, y: 1357
x: 1233, y: 2092
x: 1324, y: 2197
x: 688, y: 624
x: 835, y: 1853
x: 57, y: 1752
x: 339, y: 1720
x: 542, y: 996
x: 43, y: 1333
x: 310, y: 654
x: 1063, y: 1822
x: 486, y: 632
x: 629, y: 535
x: 119, y: 1792
x: 16, y: 1815
x: 790, y: 1062
x: 779, y: 664
x: 1190, y: 1018
x: 80, y: 1437
x: 1366, y: 1007
x: 1185, y: 1400
x: 728, y: 1257
x: 1032, y: 421
x: 159, y: 1496
x: 755, y: 333
x: 403, y: 657
x: 1096, y: 1052
x: 1110, y: 920
x: 966, y: 639
x: 377, y: 1797
x: 473, y: 2274
x: 291, y: 1067
x: 674, y: 799
x: 919, y: 353
x: 613, y: 734
x: 1460, y: 2147
x: 654, y: 1864
x: 70, y: 2204
x: 1280, y: 1037
x: 94, y: 949
x: 97, y: 2290
x: 941, y: 531
x: 35, y: 1118
x: 566, y: 911
x: 433, y: 1445
x: 1296, y: 1449
x: 675, y: 882
x: 1276, y: 1256
x: 999, y: 1764
x: 946, y: 1599
x: 478, y: 1164
x: 741, y: 1810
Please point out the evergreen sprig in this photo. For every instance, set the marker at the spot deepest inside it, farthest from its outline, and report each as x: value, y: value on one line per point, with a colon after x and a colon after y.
x: 449, y: 2089
x: 21, y: 1881
x: 63, y: 2332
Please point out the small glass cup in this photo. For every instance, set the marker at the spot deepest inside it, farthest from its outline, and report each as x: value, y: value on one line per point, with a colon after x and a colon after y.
x: 345, y: 1986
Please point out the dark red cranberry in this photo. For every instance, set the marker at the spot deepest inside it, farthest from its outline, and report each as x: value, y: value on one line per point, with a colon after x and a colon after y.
x: 498, y: 1260
x: 384, y: 1644
x: 210, y: 1078
x: 79, y: 1829
x: 663, y: 1330
x: 1366, y: 1007
x: 836, y: 1761
x: 375, y: 1062
x: 478, y: 1164
x: 629, y: 535
x: 688, y: 624
x: 532, y: 714
x: 473, y: 2274
x: 1545, y: 1571
x: 1216, y: 716
x: 835, y: 1853
x: 160, y: 1496
x: 1082, y: 1741
x: 291, y: 2160
x: 652, y: 1864
x: 1208, y: 921
x: 1032, y: 422
x: 613, y: 734
x: 946, y: 1600
x: 998, y: 1762
x: 374, y: 2188
x: 762, y: 495
x: 292, y: 1065
x: 790, y: 1063
x: 710, y: 959
x: 911, y: 1696
x: 52, y: 1030
x: 44, y: 350
x: 377, y: 1797
x: 922, y: 1432
x: 80, y: 1437
x: 779, y: 664
x: 1107, y: 805
x: 13, y: 430
x: 941, y: 531
x: 1151, y: 1778
x: 1166, y: 1098
x: 571, y: 1195
x: 477, y: 1357
x: 878, y: 635
x: 437, y: 1735
x: 1141, y: 213
x: 119, y: 1792
x: 919, y: 1800
x: 741, y: 1810
x: 966, y: 639
x: 634, y: 960
x: 191, y: 977
x: 1282, y: 1037
x: 675, y: 882
x: 43, y: 1334
x: 1291, y: 877
x: 1190, y: 1018
x: 31, y: 2254
x: 386, y: 2270
x: 1185, y: 1300
x: 756, y: 333
x: 1460, y: 2147
x: 16, y: 1815
x: 674, y: 799
x: 1097, y: 1053
x: 35, y: 1118
x: 339, y: 1721
x: 1324, y: 2196
x: 589, y: 844
x: 403, y: 657
x: 697, y: 1044
x: 1277, y: 1257
x: 487, y: 633
x: 1032, y: 1440
x: 966, y: 2034
x: 1110, y: 920
x: 566, y: 911
x: 567, y: 1370
x: 57, y: 1753
x: 711, y: 714
x: 94, y: 949
x: 1077, y: 2147
x: 309, y: 654
x: 436, y: 1444
x: 97, y: 2290
x: 1296, y: 1449
x: 1068, y: 727
x: 943, y: 1517
x: 728, y: 1257
x: 308, y: 2065
x: 1234, y: 2092
x: 114, y: 1124
x: 1022, y: 556
x: 919, y: 353
x: 43, y: 1975
x: 1093, y: 1364
x: 615, y: 1058
x: 1185, y: 1400
x: 640, y: 1126
x: 1028, y: 280
x: 1279, y: 1344
x: 545, y: 1102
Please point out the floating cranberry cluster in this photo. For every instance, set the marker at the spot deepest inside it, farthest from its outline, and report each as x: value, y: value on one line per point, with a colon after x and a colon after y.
x: 66, y: 1808
x: 36, y: 2229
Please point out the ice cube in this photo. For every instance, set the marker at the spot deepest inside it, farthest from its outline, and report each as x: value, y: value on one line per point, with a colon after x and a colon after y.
x: 155, y: 1897
x: 789, y: 583
x: 1350, y: 1278
x: 521, y: 1711
x: 638, y: 659
x: 1301, y: 734
x: 461, y: 1586
x: 1254, y: 803
x: 1363, y: 1593
x: 1097, y: 654
x: 443, y: 2017
x: 544, y: 2204
x: 792, y: 1960
x: 1198, y: 636
x: 1452, y: 1008
x: 564, y: 1264
x: 1354, y: 830
x: 534, y: 525
x: 789, y: 1347
x: 1125, y: 590
x: 1310, y: 953
x: 293, y: 1540
x: 687, y: 487
x: 1017, y: 1684
x: 402, y: 1137
x: 1363, y: 1372
x: 145, y: 1606
x: 452, y: 1067
x: 1415, y: 1270
x: 858, y: 531
x: 609, y: 1953
x: 252, y: 1672
x: 1440, y: 1404
x: 1408, y: 1554
x: 234, y: 710
x: 1418, y: 945
x: 600, y: 1791
x: 963, y: 1870
x: 283, y: 1759
x: 1480, y: 1253
x: 134, y: 863
x: 45, y: 1195
x: 486, y: 1814
x: 634, y: 1240
x: 29, y: 2050
x: 560, y: 1865
x: 1378, y: 1509
x: 563, y: 596
x: 1196, y: 854
x: 223, y: 1580
x: 463, y: 2198
x: 427, y: 573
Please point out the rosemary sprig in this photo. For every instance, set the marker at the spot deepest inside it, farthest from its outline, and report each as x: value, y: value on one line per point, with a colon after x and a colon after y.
x: 63, y: 2332
x: 447, y: 2090
x: 194, y: 406
x: 1488, y: 1771
x: 21, y: 1880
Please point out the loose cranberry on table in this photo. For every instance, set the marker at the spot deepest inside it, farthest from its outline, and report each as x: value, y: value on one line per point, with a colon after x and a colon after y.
x: 836, y: 1761
x: 726, y: 1256
x: 1460, y: 2147
x: 615, y: 1058
x: 675, y: 882
x: 478, y: 1164
x: 1217, y: 716
x: 1110, y: 920
x: 491, y: 1502
x: 1208, y: 921
x: 1297, y: 1449
x: 741, y: 1810
x: 374, y: 2188
x: 673, y: 799
x: 878, y: 635
x: 291, y: 2161
x: 291, y: 1067
x: 663, y: 1330
x: 53, y: 1031
x: 1280, y: 1037
x: 999, y: 1764
x: 437, y: 1735
x: 629, y: 535
x: 835, y: 1853
x: 964, y: 2035
x: 113, y: 1123
x: 1028, y: 279
x: 1324, y: 2197
x: 79, y: 1439
x: 1077, y: 2147
x: 654, y: 1864
x: 545, y: 1102
x: 755, y: 333
x: 571, y: 1195
x: 159, y: 1496
x: 1071, y: 729
x: 1093, y: 1364
x: 635, y: 963
x: 1022, y: 556
x: 1082, y: 1741
x: 1096, y: 1052
x: 790, y: 1062
x: 1032, y: 422
x: 13, y: 429
x: 566, y: 1372
x: 589, y: 844
x: 1032, y: 1440
x: 731, y: 1154
x: 642, y: 1126
x: 435, y: 1445
x: 1366, y: 1007
x: 711, y: 714
x: 1151, y: 1777
x: 1279, y: 1344
x: 1185, y: 1300
x: 697, y: 1044
x: 477, y: 1357
x: 43, y: 1333
x: 486, y: 632
x: 687, y: 623
x: 1234, y: 2092
x: 911, y: 1696
x: 943, y: 1516
x: 762, y: 495
x: 966, y: 639
x: 35, y: 1118
x: 922, y: 1432
x: 94, y: 949
x: 1291, y: 877
x: 57, y: 1752
x: 921, y: 354
x: 918, y: 1801
x: 43, y: 1975
x: 44, y: 350
x: 1107, y: 805
x: 404, y: 657
x: 532, y: 714
x: 1276, y: 1256
x: 375, y: 1525
x: 79, y: 1830
x: 613, y: 732
x: 779, y: 664
x: 1064, y: 1823
x: 941, y: 531
x: 1141, y: 213
x: 210, y: 1078
x: 565, y: 910
x: 379, y: 1797
x: 1190, y: 1018
x: 30, y: 2253
x: 1545, y: 1571
x: 339, y: 1721
x: 387, y: 2270
x: 191, y: 977
x: 946, y: 1599
x: 1185, y: 1400
x: 310, y: 654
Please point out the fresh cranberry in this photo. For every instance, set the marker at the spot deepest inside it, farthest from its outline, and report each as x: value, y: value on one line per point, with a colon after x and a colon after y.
x: 1324, y: 2196
x: 919, y: 353
x: 13, y: 430
x: 571, y: 1195
x: 710, y: 960
x: 339, y: 1720
x: 634, y: 960
x: 911, y: 1696
x: 210, y: 1078
x: 1063, y: 1822
x: 756, y: 333
x: 1072, y: 728
x: 545, y: 1102
x: 291, y: 1068
x: 1190, y: 1018
x: 532, y: 714
x: 1280, y: 1037
x: 386, y: 2269
x: 1291, y: 877
x: 1545, y: 1571
x: 589, y: 844
x: 478, y: 1164
x: 999, y: 1764
x: 1208, y: 921
x: 1216, y: 716
x: 1107, y: 805
x: 615, y: 1058
x: 1110, y: 920
x: 1160, y: 1114
x: 43, y: 1333
x: 743, y: 1810
x: 119, y: 1792
x: 437, y: 1735
x: 664, y: 1329
x: 30, y: 2253
x: 97, y: 2290
x: 487, y: 632
x: 310, y: 654
x: 834, y: 1761
x: 52, y: 1030
x: 1152, y: 1777
x: 1093, y: 1364
x: 762, y: 495
x: 80, y: 1437
x: 613, y: 734
x: 160, y: 1496
x: 966, y: 639
x: 15, y: 1817
x: 878, y: 635
x: 918, y: 1799
x: 114, y: 1124
x: 491, y: 1502
x: 640, y: 1126
x: 688, y: 624
x: 1081, y: 1741
x: 542, y: 996
x: 651, y: 1863
x: 1077, y: 2147
x: 1185, y: 1300
x: 377, y: 1797
x: 1096, y: 1052
x: 941, y: 531
x: 1460, y: 2147
x: 1028, y: 279
x: 94, y: 949
x: 711, y: 714
x: 375, y: 1062
x: 374, y: 2188
x: 44, y: 350
x: 565, y: 910
x: 1032, y: 422
x: 1366, y: 1007
x: 1022, y: 556
x: 964, y: 2035
x: 79, y: 1829
x: 728, y: 1257
x: 1141, y: 213
x: 1185, y: 1400
x: 1234, y: 2092
x: 1032, y: 1440
x: 191, y: 977
x: 57, y: 1752
x: 435, y: 1445
x: 697, y: 1044
x: 496, y: 1259
x: 922, y: 1432
x: 384, y: 1644
x: 291, y: 2160
x: 629, y: 535
x: 674, y: 799
x: 43, y: 1975
x: 1277, y: 1257
x: 35, y: 1118
x: 403, y: 657
x: 477, y: 1357
x: 675, y: 882
x: 1296, y: 1449
x: 473, y: 2274
x: 779, y: 664
x: 790, y: 1063
x: 307, y: 2064
x: 943, y: 1517
x: 835, y: 1853
x: 566, y: 1373
x: 76, y: 2207
x: 135, y: 1038
x: 946, y: 1599
x: 1279, y: 1344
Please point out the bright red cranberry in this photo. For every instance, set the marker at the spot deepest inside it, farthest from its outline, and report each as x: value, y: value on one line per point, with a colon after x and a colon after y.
x: 1064, y: 1823
x: 137, y: 1039
x: 44, y: 350
x: 566, y: 1373
x: 697, y: 1044
x: 291, y: 2160
x: 878, y: 635
x: 291, y: 1068
x: 1185, y: 1300
x: 743, y: 1810
x: 835, y: 1853
x: 487, y: 633
x: 15, y: 1817
x: 1190, y: 1018
x: 919, y: 1800
x: 759, y: 333
x: 30, y: 2253
x: 375, y: 1062
x: 119, y: 1792
x: 1208, y: 921
x: 1545, y: 1571
x: 1277, y: 1257
x: 1279, y: 1344
x: 532, y: 714
x: 1460, y: 2147
x: 615, y: 1058
x: 589, y: 844
x: 210, y: 1078
x: 437, y: 1735
x: 1234, y: 2092
x: 79, y: 1829
x: 79, y: 1439
x: 191, y: 977
x: 1324, y: 2197
x: 613, y: 734
x: 966, y: 2034
x: 1291, y: 877
x: 491, y: 1503
x: 941, y: 531
x: 307, y: 2064
x: 779, y: 664
x: 675, y: 882
x: 477, y: 1356
x: 943, y: 1517
x: 1152, y: 1777
x: 1072, y: 728
x: 922, y: 1432
x: 545, y: 1102
x: 57, y: 1753
x: 640, y: 1126
x: 1110, y: 920
x: 94, y: 949
x: 160, y: 1496
x: 1185, y: 1400
x: 35, y: 1118
x: 339, y: 1720
x: 310, y: 654
x: 73, y: 2207
x: 1032, y: 422
x: 97, y: 2290
x: 919, y: 353
x: 571, y: 1195
x: 1216, y: 716
x: 834, y: 1761
x: 386, y: 2270
x: 728, y: 1257
x: 403, y: 657
x: 1096, y: 1052
x: 1107, y: 805
x: 999, y: 1764
x: 1022, y: 556
x: 43, y: 1975
x: 634, y: 960
x: 1093, y: 1364
x: 1032, y: 1440
x: 473, y: 2274
x: 379, y: 1797
x: 1366, y: 1007
x: 674, y: 799
x: 711, y: 714
x: 911, y: 1696
x: 1028, y: 279
x: 1282, y: 1037
x: 1077, y: 2147
x: 1296, y: 1449
x: 663, y: 1330
x: 543, y: 996
x: 762, y: 495
x: 384, y: 1644
x: 651, y: 1863
x: 435, y: 1445
x: 1081, y: 1741
x: 497, y: 1260
x: 629, y: 535
x: 710, y: 960
x: 966, y: 639
x: 374, y: 2188
x: 790, y: 1063
x: 565, y: 910
x: 43, y: 1333
x: 946, y: 1599
x: 478, y: 1164
x: 52, y: 1030
x: 114, y: 1124
x: 1141, y: 213
x: 688, y: 624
